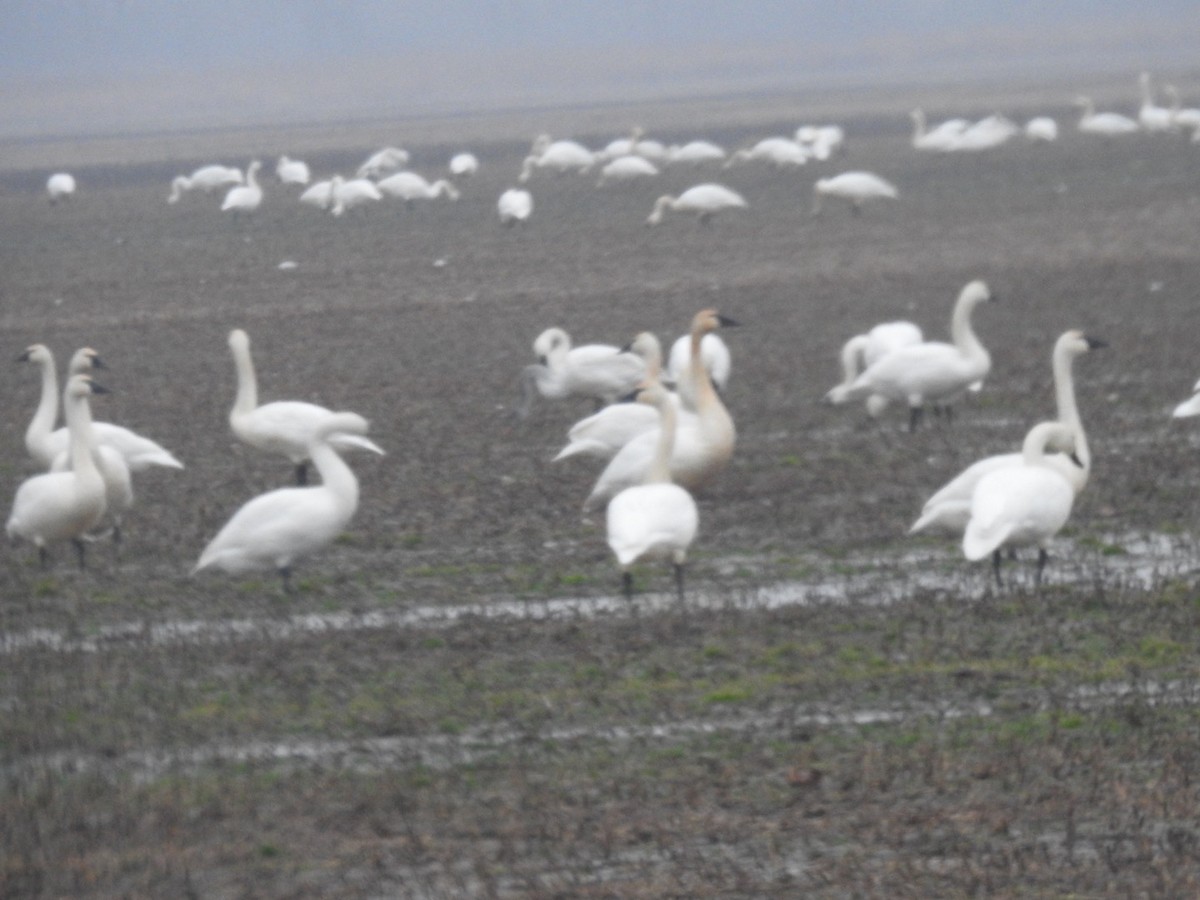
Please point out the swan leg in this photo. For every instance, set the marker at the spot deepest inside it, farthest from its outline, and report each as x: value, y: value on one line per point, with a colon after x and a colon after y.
x: 679, y: 581
x: 915, y: 413
x: 627, y: 585
x: 80, y: 552
x: 43, y: 558
x: 997, y: 558
x: 302, y: 473
x: 1041, y: 565
x: 285, y: 574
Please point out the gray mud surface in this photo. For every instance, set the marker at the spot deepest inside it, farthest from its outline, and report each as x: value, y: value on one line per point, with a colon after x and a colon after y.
x: 456, y: 701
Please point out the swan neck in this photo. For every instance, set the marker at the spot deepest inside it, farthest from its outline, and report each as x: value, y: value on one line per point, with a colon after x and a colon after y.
x: 659, y: 471
x: 247, y: 385
x: 47, y: 410
x: 336, y: 477
x: 1068, y: 409
x: 82, y: 440
x: 852, y: 356
x: 961, y: 330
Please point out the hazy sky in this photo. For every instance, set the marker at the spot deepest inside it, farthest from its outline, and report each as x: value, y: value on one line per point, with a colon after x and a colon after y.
x: 159, y: 64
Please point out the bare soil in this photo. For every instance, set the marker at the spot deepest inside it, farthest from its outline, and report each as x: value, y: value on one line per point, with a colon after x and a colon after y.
x: 454, y: 702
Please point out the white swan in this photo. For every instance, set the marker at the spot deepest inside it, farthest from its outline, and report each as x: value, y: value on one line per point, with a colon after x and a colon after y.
x: 559, y: 156
x: 1041, y: 129
x: 714, y: 354
x: 854, y: 187
x: 950, y: 507
x: 607, y: 430
x: 346, y: 195
x: 60, y: 186
x: 931, y: 372
x: 1180, y: 117
x: 1151, y: 116
x: 705, y: 200
x: 626, y: 168
x: 942, y: 139
x: 207, y: 179
x: 990, y: 131
x: 1021, y: 505
x: 63, y: 506
x: 695, y: 153
x: 704, y: 443
x: 864, y: 350
x: 599, y: 371
x: 655, y: 518
x: 245, y: 198
x: 1106, y: 124
x: 821, y: 141
x: 283, y: 426
x: 409, y: 186
x: 780, y: 152
x: 275, y: 529
x: 46, y: 444
x: 464, y: 164
x: 1189, y: 407
x: 381, y: 161
x: 515, y: 206
x: 292, y: 171
x: 319, y: 194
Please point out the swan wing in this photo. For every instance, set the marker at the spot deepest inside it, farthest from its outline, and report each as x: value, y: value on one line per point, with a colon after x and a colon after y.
x: 273, y: 529
x: 605, y: 432
x: 651, y: 520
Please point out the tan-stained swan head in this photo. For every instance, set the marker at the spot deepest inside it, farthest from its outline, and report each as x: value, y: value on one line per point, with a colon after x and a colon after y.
x: 1075, y: 343
x: 239, y: 340
x: 84, y: 360
x: 38, y: 353
x: 708, y: 320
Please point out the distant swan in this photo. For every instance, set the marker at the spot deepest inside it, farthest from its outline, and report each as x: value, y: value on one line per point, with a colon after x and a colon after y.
x: 933, y: 371
x: 599, y: 371
x: 60, y: 186
x: 1020, y: 505
x: 1041, y: 128
x: 942, y: 139
x: 705, y: 200
x: 319, y: 194
x: 381, y: 161
x: 1107, y: 124
x: 63, y: 506
x: 695, y: 153
x: 1180, y: 117
x: 864, y: 350
x: 560, y: 156
x: 245, y: 198
x: 1151, y: 116
x: 284, y: 426
x: 463, y: 165
x: 409, y: 186
x: 275, y: 529
x: 349, y: 194
x: 292, y: 171
x: 655, y: 518
x: 780, y: 152
x: 854, y: 187
x: 626, y: 168
x: 514, y: 206
x: 207, y: 179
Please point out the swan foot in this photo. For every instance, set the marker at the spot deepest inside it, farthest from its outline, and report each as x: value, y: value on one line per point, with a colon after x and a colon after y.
x: 679, y: 582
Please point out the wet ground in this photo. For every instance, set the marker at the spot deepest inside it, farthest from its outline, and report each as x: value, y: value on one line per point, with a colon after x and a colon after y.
x: 455, y: 701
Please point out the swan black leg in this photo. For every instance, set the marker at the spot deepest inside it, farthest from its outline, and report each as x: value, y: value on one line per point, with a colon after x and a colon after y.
x: 914, y: 417
x: 80, y: 553
x: 1041, y: 565
x: 302, y: 473
x: 286, y: 575
x: 43, y: 558
x: 996, y: 560
x: 679, y: 582
x: 627, y: 585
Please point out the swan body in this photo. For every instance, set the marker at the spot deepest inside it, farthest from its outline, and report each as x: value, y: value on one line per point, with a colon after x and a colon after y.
x: 988, y: 132
x: 245, y: 198
x: 514, y: 206
x: 61, y: 506
x: 714, y: 354
x: 695, y: 153
x: 821, y: 141
x: 559, y: 156
x: 1151, y: 116
x: 705, y: 200
x: 319, y: 194
x: 932, y: 371
x: 941, y: 139
x: 292, y: 171
x: 60, y: 186
x: 349, y: 194
x: 599, y: 371
x: 1041, y: 129
x: 656, y: 518
x: 626, y: 168
x: 464, y: 164
x: 703, y: 445
x: 381, y: 161
x: 45, y: 444
x: 409, y: 186
x: 780, y: 152
x: 1180, y: 117
x: 1189, y: 407
x: 275, y: 529
x: 207, y: 179
x: 864, y: 350
x: 856, y: 188
x: 1020, y: 505
x: 285, y: 427
x: 607, y: 430
x: 1106, y: 124
x: 949, y: 509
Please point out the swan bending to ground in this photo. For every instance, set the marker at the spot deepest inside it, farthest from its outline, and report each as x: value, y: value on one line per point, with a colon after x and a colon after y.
x: 1021, y: 505
x: 656, y: 518
x: 319, y: 194
x: 46, y: 444
x: 695, y: 153
x: 283, y: 426
x: 275, y: 529
x: 463, y: 165
x: 207, y: 179
x: 950, y: 507
x: 780, y: 152
x: 1106, y: 124
x: 821, y: 141
x: 514, y: 206
x: 864, y: 350
x: 941, y: 139
x: 245, y: 198
x: 381, y: 161
x: 63, y: 506
x: 559, y: 156
x: 856, y: 188
x: 409, y: 186
x: 626, y: 168
x: 60, y: 186
x: 292, y: 171
x: 705, y: 200
x: 704, y: 442
x: 1041, y: 129
x: 931, y: 372
x: 346, y: 195
x: 599, y: 371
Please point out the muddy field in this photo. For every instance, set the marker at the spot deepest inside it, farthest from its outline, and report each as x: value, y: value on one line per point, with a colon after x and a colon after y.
x: 456, y: 701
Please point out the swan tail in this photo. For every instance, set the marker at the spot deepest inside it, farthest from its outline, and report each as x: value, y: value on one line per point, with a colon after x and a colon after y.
x: 159, y: 458
x: 979, y: 543
x: 1187, y: 408
x: 358, y: 442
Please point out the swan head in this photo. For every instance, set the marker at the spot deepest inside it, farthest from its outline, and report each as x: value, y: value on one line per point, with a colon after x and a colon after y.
x: 85, y: 358
x: 976, y: 292
x: 239, y: 341
x: 708, y: 320
x: 1075, y: 343
x: 38, y: 353
x: 549, y: 343
x: 83, y: 386
x: 646, y: 345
